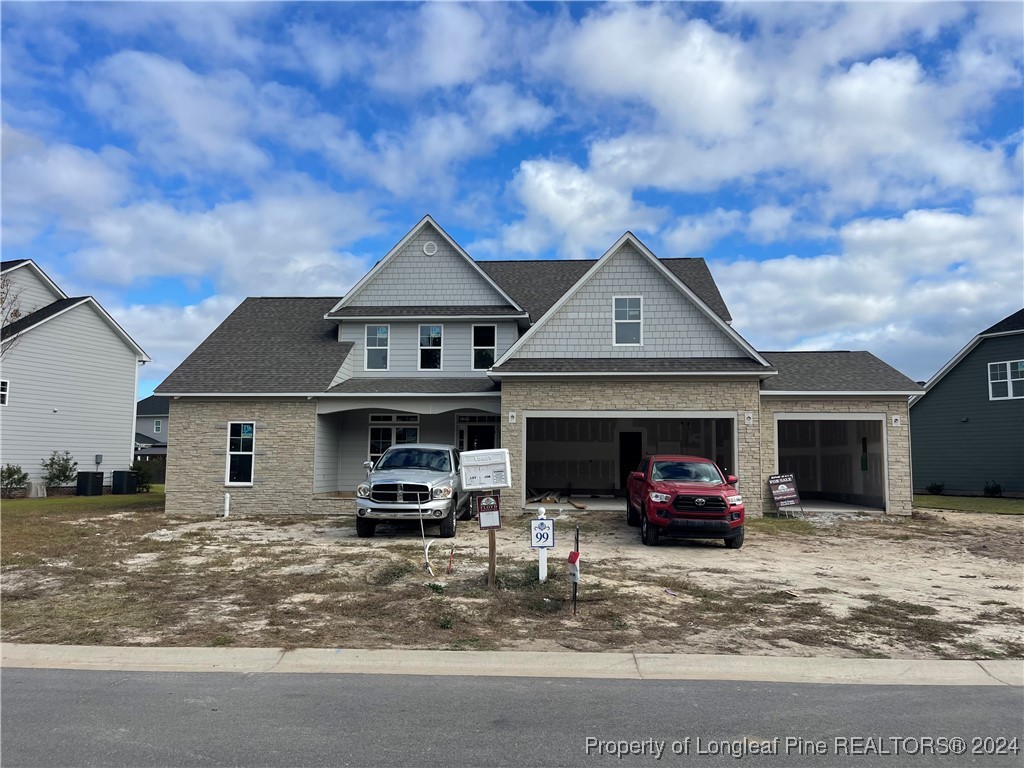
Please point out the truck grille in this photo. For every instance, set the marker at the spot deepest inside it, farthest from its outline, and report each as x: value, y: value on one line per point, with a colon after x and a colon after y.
x: 693, y: 503
x: 400, y: 493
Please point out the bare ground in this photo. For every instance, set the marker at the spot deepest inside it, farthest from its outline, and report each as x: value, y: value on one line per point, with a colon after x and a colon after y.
x: 946, y: 587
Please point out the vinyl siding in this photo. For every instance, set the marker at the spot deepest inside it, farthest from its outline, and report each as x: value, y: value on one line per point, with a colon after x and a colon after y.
x: 672, y: 325
x: 326, y: 453
x: 32, y: 292
x: 144, y: 425
x: 76, y: 364
x: 456, y: 346
x: 962, y: 439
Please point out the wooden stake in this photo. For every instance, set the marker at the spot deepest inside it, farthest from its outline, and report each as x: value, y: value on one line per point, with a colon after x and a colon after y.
x: 492, y: 560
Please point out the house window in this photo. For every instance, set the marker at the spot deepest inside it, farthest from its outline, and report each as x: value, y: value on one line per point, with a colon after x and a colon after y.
x: 377, y: 347
x: 628, y: 320
x: 1006, y: 380
x: 5, y: 388
x: 484, y: 342
x: 241, y: 450
x: 391, y: 429
x: 157, y: 426
x: 430, y: 347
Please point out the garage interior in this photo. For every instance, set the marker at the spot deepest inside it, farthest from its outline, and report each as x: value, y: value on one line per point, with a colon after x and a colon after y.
x: 582, y: 457
x: 834, y: 460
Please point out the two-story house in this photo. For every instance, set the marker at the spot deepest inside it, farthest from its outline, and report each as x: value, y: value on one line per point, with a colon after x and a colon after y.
x: 579, y: 368
x: 68, y: 378
x: 969, y: 423
x: 151, y: 417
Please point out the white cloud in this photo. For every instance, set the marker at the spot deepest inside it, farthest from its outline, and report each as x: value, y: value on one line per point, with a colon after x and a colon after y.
x: 769, y: 223
x: 328, y: 55
x: 694, y: 234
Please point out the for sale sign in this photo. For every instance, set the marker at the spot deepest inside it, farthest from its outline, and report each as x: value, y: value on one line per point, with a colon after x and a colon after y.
x: 488, y: 513
x: 784, y: 491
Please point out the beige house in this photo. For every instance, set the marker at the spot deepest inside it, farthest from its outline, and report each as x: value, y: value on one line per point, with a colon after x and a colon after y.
x: 579, y: 368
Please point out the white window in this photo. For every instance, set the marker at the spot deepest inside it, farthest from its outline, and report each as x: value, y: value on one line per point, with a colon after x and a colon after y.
x: 157, y: 426
x: 430, y: 347
x: 484, y: 344
x: 241, y: 450
x: 5, y: 388
x: 628, y: 322
x: 377, y: 338
x: 1006, y: 380
x: 391, y: 429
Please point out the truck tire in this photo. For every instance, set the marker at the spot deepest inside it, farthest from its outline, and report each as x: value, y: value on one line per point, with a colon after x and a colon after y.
x: 648, y: 533
x: 632, y: 516
x: 446, y: 529
x: 365, y: 528
x: 467, y: 513
x: 735, y: 542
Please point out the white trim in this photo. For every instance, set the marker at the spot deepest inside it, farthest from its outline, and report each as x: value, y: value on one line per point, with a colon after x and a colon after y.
x: 833, y: 416
x: 676, y: 282
x: 369, y: 276
x: 473, y: 348
x: 955, y: 360
x: 420, y: 347
x: 366, y: 347
x: 838, y: 393
x: 410, y: 318
x: 328, y: 395
x: 39, y: 273
x: 1009, y: 381
x: 5, y: 392
x: 228, y: 453
x: 615, y: 322
x: 740, y: 374
x: 135, y: 420
x: 158, y: 425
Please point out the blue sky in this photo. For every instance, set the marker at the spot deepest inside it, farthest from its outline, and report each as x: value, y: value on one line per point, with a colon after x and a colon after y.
x: 851, y: 173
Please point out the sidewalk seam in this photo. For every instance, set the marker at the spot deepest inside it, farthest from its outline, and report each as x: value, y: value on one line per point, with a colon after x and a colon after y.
x: 636, y: 665
x: 1001, y: 682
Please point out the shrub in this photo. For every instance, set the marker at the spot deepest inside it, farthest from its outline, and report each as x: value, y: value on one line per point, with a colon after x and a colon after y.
x: 60, y: 469
x: 936, y: 489
x: 992, y: 489
x: 12, y: 478
x: 145, y: 476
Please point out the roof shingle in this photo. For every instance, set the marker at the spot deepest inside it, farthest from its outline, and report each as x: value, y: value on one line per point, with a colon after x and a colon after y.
x: 1014, y: 322
x: 834, y: 372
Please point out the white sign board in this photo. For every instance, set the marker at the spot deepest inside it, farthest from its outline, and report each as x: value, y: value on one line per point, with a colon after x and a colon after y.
x: 542, y: 533
x: 485, y: 470
x: 488, y: 513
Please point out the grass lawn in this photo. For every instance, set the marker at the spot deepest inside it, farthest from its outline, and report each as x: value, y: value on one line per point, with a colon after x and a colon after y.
x: 994, y: 506
x: 12, y: 509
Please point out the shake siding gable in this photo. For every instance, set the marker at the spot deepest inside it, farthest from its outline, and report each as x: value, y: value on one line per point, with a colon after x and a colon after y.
x: 672, y: 325
x: 32, y: 292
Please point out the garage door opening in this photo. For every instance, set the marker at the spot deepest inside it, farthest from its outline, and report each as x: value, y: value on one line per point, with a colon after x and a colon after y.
x: 594, y: 456
x: 841, y: 461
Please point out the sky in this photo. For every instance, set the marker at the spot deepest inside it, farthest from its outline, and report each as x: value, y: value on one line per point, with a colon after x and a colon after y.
x: 853, y: 174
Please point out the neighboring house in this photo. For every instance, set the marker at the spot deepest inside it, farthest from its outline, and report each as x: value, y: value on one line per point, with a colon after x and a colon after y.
x: 579, y: 368
x: 969, y: 423
x: 151, y: 435
x: 67, y: 380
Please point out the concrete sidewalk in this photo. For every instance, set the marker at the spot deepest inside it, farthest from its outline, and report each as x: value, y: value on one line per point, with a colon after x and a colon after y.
x: 635, y: 666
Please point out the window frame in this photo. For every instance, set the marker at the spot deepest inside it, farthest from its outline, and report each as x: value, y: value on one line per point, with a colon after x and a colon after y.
x: 5, y: 392
x: 616, y: 322
x: 420, y: 348
x: 1007, y: 366
x: 390, y: 421
x: 473, y: 347
x: 158, y: 425
x: 367, y: 347
x: 229, y: 453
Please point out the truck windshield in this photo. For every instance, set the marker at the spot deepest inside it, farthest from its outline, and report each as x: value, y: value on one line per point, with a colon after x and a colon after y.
x: 686, y: 471
x: 415, y: 458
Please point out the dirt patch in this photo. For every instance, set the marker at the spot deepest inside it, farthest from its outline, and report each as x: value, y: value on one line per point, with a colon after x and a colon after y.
x: 946, y: 587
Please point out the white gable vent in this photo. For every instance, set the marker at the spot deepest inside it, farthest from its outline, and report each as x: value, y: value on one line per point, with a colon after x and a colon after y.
x: 430, y: 248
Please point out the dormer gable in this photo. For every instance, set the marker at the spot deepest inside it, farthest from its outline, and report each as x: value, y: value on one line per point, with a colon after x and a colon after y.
x: 28, y: 287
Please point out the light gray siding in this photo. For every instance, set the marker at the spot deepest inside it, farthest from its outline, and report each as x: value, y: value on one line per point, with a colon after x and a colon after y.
x: 72, y: 387
x: 404, y: 350
x: 412, y: 278
x: 326, y: 453
x: 962, y: 439
x: 146, y: 425
x: 32, y: 292
x: 672, y: 325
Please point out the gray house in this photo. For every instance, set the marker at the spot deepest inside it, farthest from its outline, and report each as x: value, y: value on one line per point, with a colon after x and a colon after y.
x: 969, y: 423
x: 151, y: 416
x: 579, y: 368
x: 68, y: 379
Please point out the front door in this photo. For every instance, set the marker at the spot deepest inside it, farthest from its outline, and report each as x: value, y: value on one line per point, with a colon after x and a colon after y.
x: 631, y: 451
x: 479, y: 437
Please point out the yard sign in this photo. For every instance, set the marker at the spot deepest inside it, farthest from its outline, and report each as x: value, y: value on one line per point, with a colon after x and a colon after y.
x: 784, y: 491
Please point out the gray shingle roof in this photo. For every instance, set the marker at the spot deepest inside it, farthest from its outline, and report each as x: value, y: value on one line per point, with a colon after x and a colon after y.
x: 834, y: 372
x: 10, y: 263
x: 147, y: 440
x: 424, y: 311
x: 417, y: 386
x: 44, y: 313
x: 1014, y: 322
x: 640, y: 365
x: 266, y: 345
x: 154, y: 405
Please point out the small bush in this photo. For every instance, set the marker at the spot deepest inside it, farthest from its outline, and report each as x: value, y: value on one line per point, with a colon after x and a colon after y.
x: 992, y: 489
x: 12, y: 478
x: 145, y: 476
x: 936, y: 489
x: 59, y: 470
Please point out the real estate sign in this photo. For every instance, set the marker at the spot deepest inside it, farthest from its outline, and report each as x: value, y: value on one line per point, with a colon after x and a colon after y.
x: 784, y: 491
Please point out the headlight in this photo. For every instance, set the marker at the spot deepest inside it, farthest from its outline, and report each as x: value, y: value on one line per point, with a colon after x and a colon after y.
x: 441, y: 492
x: 734, y: 501
x: 661, y: 498
x: 363, y: 491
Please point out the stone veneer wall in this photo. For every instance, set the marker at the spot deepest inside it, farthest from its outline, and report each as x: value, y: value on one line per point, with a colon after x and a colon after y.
x: 897, y: 438
x: 595, y: 395
x: 283, y: 464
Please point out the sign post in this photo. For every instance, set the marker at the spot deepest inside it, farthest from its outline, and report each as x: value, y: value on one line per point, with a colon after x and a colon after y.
x: 574, y: 570
x: 488, y: 512
x: 784, y: 492
x: 542, y: 538
x: 487, y: 471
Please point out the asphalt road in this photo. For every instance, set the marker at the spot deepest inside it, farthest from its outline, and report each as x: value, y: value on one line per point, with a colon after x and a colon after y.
x: 84, y: 718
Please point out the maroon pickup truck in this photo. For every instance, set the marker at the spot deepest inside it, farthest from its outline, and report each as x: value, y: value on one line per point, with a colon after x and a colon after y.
x: 684, y: 496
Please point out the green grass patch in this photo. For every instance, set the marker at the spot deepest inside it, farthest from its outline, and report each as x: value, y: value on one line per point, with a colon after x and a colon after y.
x: 76, y: 504
x: 775, y: 526
x: 981, y: 504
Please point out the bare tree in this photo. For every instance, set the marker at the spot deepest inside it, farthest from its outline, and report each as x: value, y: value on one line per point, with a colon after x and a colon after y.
x: 10, y: 310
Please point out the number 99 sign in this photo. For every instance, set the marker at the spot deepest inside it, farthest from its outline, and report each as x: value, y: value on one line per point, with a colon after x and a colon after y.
x: 542, y: 533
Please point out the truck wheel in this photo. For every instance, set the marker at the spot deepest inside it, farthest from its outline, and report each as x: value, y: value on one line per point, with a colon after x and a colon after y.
x: 467, y: 513
x: 632, y: 518
x: 735, y: 542
x: 648, y: 533
x: 365, y: 528
x: 447, y: 527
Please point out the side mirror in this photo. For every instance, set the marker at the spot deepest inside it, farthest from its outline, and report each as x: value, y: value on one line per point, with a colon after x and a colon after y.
x: 367, y: 465
x: 636, y: 475
x: 732, y: 479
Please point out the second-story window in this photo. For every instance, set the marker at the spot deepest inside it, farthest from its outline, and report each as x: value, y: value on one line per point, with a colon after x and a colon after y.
x: 628, y: 323
x: 377, y: 347
x: 1006, y: 380
x: 483, y: 346
x: 157, y: 426
x: 430, y: 347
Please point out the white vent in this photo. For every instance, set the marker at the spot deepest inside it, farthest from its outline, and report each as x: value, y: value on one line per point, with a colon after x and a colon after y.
x: 430, y: 248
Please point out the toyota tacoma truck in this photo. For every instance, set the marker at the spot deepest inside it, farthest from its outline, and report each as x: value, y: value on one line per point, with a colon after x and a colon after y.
x: 412, y: 482
x: 684, y: 496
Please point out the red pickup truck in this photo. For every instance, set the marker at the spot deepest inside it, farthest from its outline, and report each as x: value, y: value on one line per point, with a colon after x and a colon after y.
x: 684, y: 496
